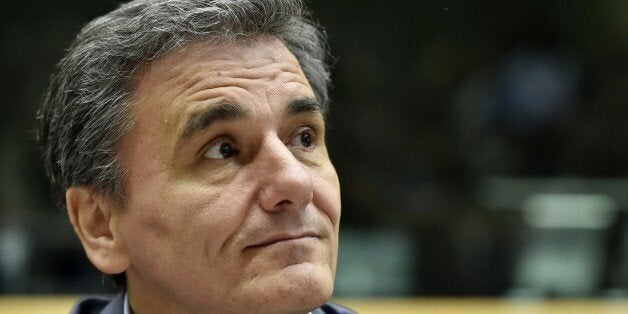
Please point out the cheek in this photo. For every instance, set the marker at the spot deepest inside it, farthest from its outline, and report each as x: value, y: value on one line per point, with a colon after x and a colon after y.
x: 208, y: 215
x: 327, y: 194
x: 184, y: 217
x: 145, y: 217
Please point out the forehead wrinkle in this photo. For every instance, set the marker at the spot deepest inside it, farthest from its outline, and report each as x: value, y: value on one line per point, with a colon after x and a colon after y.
x: 200, y: 87
x: 263, y: 71
x: 173, y: 68
x: 153, y: 77
x: 208, y: 60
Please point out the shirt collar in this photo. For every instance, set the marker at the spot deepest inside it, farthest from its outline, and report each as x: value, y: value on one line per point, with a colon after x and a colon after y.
x: 126, y: 309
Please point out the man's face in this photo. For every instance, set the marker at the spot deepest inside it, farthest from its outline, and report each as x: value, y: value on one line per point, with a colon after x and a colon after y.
x: 233, y: 202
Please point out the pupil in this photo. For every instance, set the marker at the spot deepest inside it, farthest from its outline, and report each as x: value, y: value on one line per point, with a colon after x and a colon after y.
x: 226, y: 150
x: 306, y: 139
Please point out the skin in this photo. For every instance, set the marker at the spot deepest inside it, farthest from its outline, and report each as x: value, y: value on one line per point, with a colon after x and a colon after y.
x: 255, y: 232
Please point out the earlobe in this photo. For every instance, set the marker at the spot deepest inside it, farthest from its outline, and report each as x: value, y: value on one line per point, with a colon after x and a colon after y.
x: 92, y: 219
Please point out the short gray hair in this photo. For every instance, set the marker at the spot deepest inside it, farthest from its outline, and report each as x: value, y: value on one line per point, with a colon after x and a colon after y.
x: 86, y: 109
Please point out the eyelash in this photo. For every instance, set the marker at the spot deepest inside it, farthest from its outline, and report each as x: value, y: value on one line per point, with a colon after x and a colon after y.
x: 232, y: 149
x: 299, y: 135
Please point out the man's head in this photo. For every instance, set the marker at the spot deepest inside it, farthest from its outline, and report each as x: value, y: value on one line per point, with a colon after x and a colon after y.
x: 187, y: 140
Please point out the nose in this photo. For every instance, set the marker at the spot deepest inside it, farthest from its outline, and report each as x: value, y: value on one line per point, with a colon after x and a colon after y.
x: 287, y: 183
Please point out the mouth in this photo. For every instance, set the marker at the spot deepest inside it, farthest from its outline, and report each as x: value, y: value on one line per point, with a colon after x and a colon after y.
x: 286, y: 238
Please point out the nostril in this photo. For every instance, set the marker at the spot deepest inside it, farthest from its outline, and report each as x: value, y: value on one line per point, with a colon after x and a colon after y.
x: 284, y: 202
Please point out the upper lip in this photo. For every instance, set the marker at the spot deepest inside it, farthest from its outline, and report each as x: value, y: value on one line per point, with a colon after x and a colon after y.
x: 285, y: 236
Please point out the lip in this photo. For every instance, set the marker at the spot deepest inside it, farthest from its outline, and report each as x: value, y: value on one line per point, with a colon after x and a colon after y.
x: 283, y: 237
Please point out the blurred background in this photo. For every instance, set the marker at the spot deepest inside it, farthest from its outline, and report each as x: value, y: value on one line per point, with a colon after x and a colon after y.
x: 481, y: 145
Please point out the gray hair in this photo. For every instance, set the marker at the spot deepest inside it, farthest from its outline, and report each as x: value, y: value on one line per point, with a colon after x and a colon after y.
x: 86, y: 109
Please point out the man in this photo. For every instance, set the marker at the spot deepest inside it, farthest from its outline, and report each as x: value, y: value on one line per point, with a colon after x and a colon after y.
x: 187, y: 142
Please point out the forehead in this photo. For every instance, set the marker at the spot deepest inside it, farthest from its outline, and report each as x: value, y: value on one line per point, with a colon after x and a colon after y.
x: 202, y: 70
x: 197, y: 57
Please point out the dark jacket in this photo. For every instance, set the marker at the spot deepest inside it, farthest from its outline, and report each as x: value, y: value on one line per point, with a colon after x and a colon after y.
x: 104, y: 305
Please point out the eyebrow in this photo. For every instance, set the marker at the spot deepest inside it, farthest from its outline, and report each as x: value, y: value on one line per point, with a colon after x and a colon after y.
x: 304, y: 105
x: 202, y: 119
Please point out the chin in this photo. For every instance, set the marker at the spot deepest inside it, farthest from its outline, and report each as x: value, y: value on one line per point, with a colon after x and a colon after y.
x: 300, y: 288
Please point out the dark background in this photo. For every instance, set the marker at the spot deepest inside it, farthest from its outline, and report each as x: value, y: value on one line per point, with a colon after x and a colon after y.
x: 446, y: 118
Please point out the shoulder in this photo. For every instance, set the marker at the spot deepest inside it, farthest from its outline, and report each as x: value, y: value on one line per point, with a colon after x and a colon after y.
x: 332, y: 308
x: 99, y: 305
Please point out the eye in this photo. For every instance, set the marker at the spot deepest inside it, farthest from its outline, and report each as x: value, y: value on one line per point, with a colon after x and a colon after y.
x: 220, y: 149
x: 304, y: 138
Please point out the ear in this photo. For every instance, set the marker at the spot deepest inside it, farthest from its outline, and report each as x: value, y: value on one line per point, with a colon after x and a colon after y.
x: 94, y: 220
